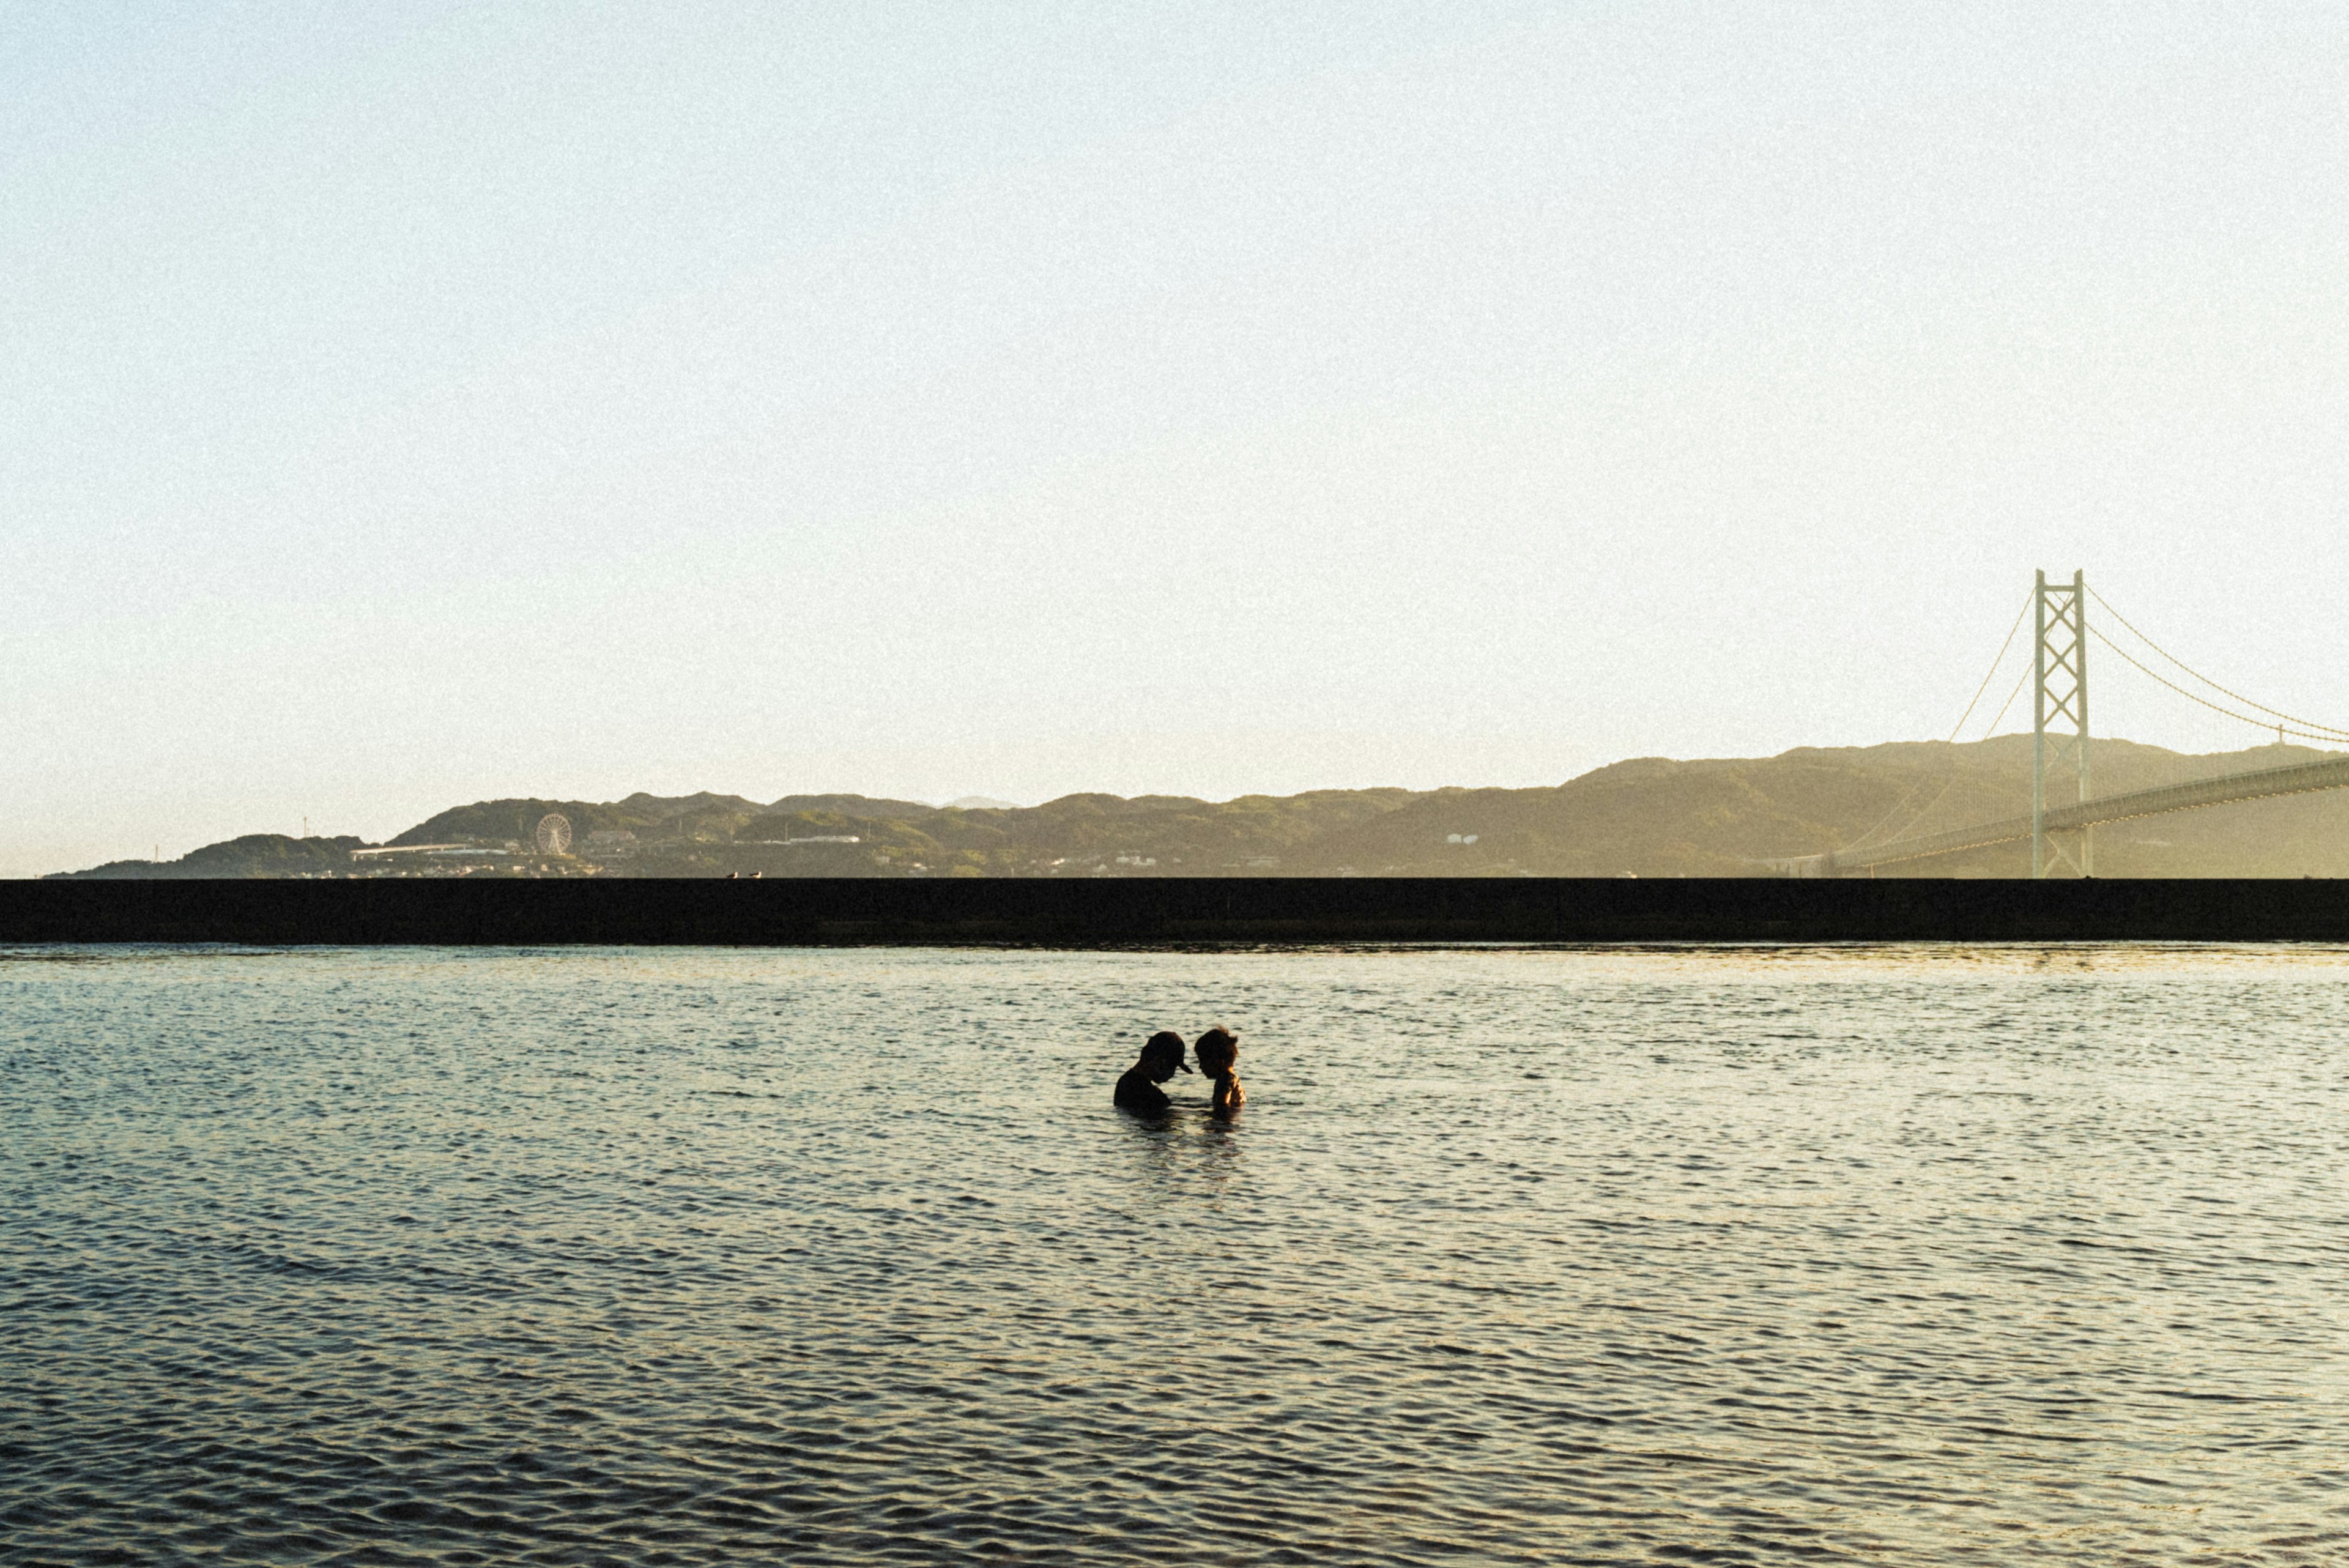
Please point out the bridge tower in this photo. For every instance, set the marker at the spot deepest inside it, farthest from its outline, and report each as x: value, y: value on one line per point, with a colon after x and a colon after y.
x: 2059, y: 743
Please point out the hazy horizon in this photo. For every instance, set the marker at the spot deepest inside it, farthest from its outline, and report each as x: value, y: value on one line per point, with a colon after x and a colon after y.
x: 447, y: 404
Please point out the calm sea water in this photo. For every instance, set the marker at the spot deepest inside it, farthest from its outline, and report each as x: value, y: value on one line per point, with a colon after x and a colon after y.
x: 1926, y: 1256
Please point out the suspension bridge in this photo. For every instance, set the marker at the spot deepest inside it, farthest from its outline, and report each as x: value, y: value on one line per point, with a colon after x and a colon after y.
x: 2064, y: 812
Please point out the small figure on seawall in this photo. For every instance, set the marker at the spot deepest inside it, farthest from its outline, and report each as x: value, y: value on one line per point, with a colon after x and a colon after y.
x: 1218, y: 1051
x: 1162, y: 1058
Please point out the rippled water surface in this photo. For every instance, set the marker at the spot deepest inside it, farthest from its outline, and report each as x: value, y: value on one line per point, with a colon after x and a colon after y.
x: 1928, y: 1256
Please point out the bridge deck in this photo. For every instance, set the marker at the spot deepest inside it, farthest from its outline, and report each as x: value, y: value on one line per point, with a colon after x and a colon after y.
x: 2300, y: 778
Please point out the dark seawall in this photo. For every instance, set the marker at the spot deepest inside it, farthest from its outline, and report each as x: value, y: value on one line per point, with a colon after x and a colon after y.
x: 1119, y: 912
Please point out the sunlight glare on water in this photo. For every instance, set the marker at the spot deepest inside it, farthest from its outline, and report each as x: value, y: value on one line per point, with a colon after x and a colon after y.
x: 1928, y: 1255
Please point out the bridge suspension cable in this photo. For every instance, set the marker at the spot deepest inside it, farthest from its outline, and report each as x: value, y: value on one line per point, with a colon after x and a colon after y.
x: 1921, y: 812
x: 2020, y: 682
x: 2197, y: 697
x: 2312, y: 732
x: 1987, y: 675
x: 1906, y: 797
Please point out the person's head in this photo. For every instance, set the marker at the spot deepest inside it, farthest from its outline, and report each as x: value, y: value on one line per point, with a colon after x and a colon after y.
x: 1162, y: 1056
x: 1217, y: 1050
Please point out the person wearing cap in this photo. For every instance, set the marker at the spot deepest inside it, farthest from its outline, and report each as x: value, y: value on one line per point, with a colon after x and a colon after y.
x: 1162, y: 1058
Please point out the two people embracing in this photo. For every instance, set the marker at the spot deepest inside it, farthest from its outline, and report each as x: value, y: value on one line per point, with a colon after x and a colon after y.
x: 1218, y: 1051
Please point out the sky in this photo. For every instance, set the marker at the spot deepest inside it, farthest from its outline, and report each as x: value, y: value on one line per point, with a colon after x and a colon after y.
x: 411, y: 404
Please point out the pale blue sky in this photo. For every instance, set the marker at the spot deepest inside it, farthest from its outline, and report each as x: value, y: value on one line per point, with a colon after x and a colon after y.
x: 411, y: 404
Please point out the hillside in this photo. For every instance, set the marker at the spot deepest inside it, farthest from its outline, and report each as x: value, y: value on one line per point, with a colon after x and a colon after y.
x: 254, y: 855
x: 1649, y: 818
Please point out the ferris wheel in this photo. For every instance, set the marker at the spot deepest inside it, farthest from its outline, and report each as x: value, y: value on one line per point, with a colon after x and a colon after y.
x: 553, y: 834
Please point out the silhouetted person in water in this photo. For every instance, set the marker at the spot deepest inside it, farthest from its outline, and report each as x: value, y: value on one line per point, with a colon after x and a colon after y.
x: 1162, y: 1057
x: 1218, y: 1051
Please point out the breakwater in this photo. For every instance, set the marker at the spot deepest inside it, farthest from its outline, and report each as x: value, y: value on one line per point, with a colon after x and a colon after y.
x: 1107, y: 912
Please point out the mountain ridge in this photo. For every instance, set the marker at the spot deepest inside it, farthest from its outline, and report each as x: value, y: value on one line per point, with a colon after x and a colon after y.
x: 1718, y: 816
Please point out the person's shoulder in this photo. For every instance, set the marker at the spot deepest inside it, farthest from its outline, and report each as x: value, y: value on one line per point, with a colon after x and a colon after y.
x: 1135, y: 1091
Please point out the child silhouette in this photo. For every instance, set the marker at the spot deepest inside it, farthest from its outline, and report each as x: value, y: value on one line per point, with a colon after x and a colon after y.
x: 1218, y: 1051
